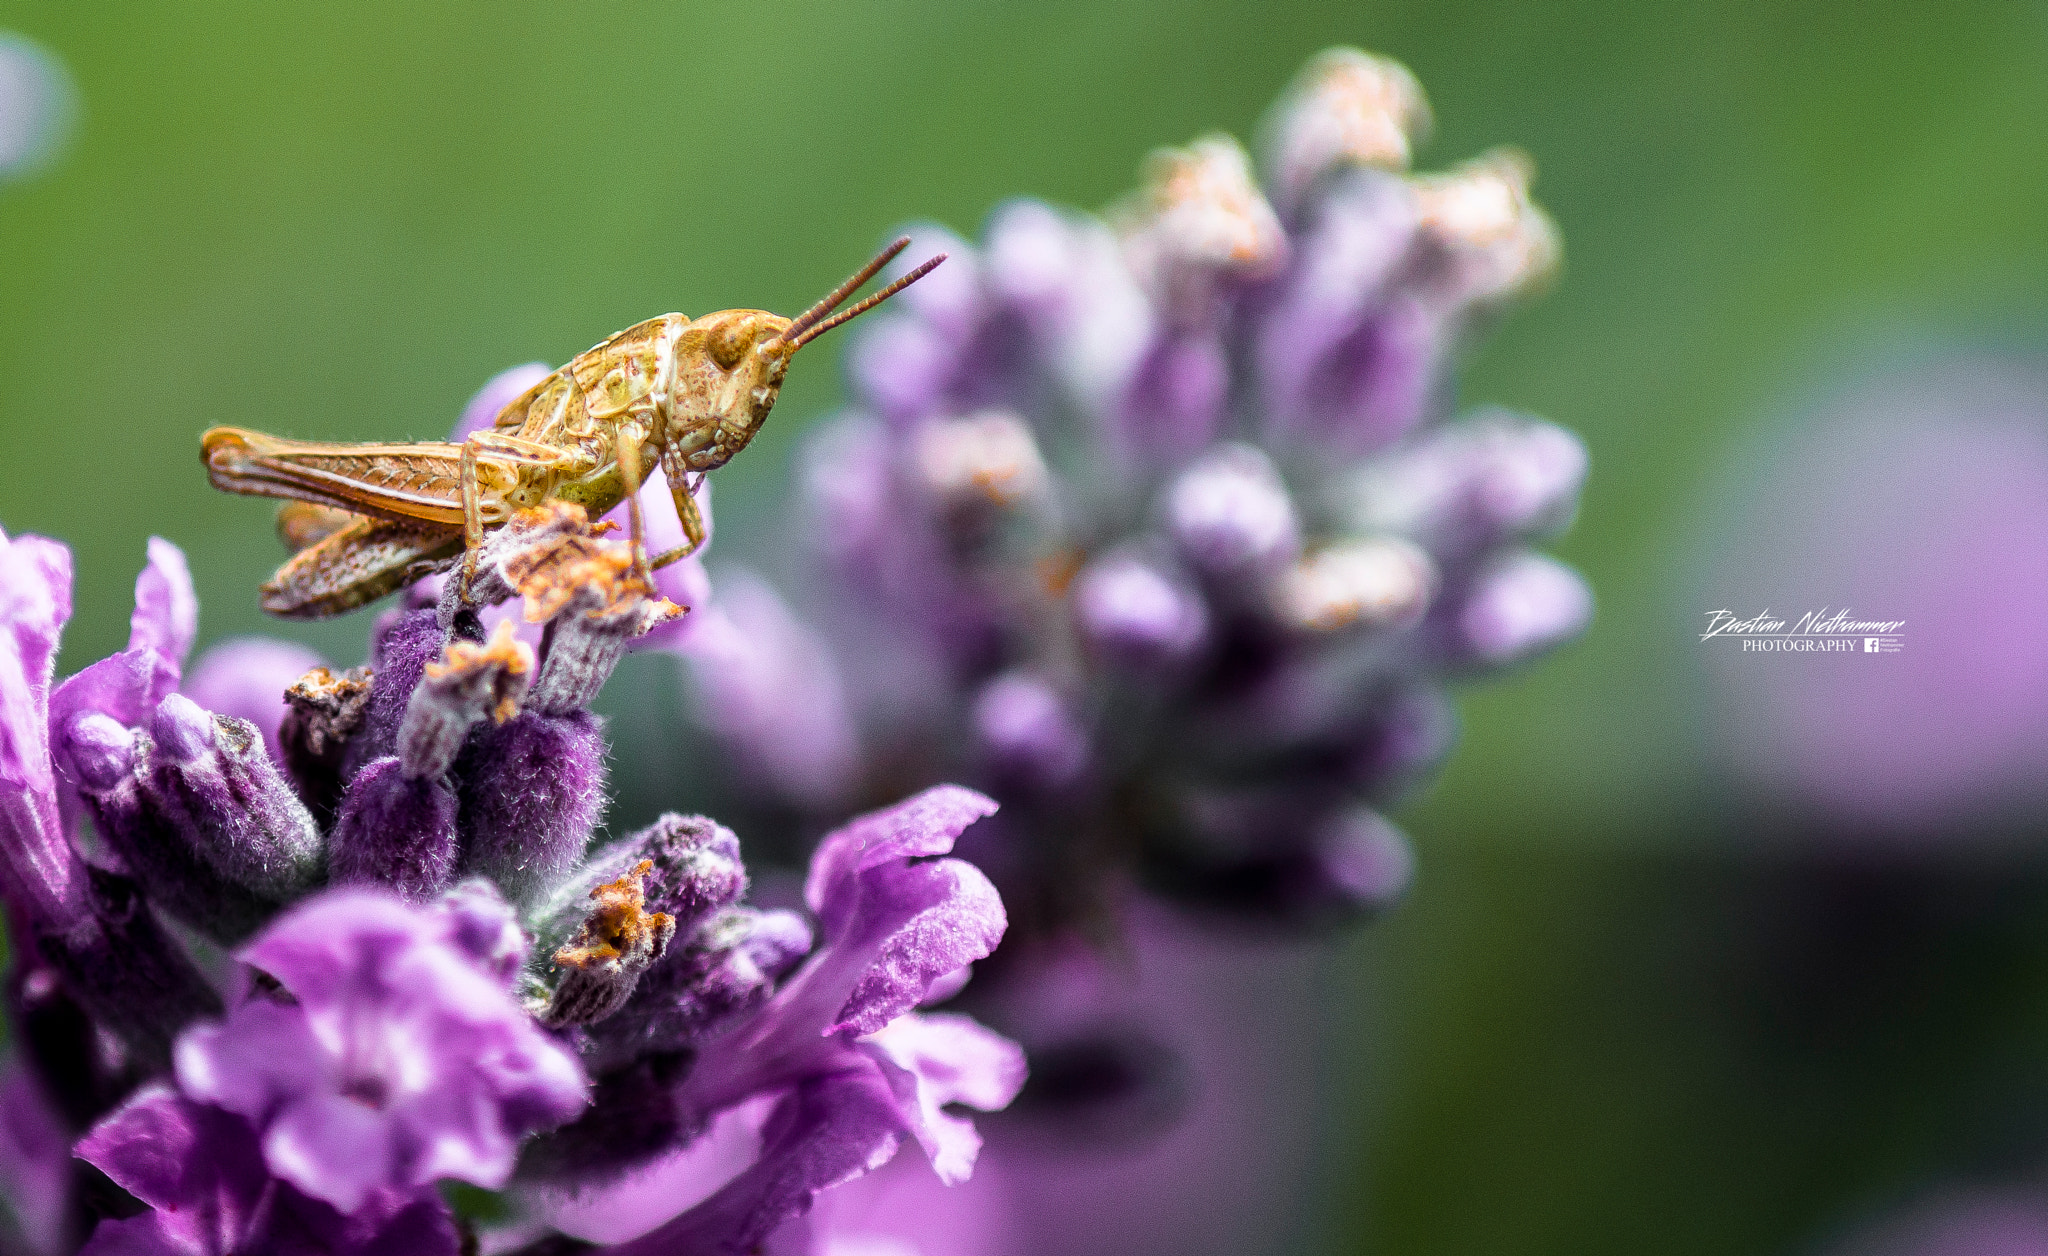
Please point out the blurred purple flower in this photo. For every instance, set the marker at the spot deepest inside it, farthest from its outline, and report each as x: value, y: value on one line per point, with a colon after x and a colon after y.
x: 245, y: 677
x: 35, y: 1159
x: 1921, y: 496
x: 1959, y: 1223
x: 1158, y: 523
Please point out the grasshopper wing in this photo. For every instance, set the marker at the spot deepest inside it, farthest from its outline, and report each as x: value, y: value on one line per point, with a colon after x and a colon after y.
x: 358, y: 564
x: 418, y: 481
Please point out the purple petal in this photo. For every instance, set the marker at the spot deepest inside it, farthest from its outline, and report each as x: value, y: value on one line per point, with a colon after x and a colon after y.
x: 331, y: 1147
x: 35, y: 604
x: 460, y: 1137
x: 166, y: 617
x: 498, y: 392
x: 197, y: 1164
x: 484, y: 927
x: 963, y: 923
x: 246, y: 677
x: 125, y: 687
x: 317, y: 948
x: 40, y: 870
x: 936, y: 1059
x: 926, y: 824
x: 828, y: 1131
x: 260, y: 1057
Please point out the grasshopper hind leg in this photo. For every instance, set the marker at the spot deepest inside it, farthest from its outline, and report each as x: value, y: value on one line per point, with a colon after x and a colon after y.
x: 358, y: 564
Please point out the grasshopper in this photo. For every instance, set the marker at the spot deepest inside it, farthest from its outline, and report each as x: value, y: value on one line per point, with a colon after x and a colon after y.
x: 685, y: 393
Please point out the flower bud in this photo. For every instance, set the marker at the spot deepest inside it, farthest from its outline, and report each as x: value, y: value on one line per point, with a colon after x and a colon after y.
x: 467, y: 683
x: 728, y: 965
x: 212, y: 780
x: 1028, y: 733
x: 1230, y: 514
x: 182, y: 731
x: 1131, y: 613
x: 1518, y: 608
x: 102, y: 752
x: 1375, y: 583
x: 986, y: 459
x: 602, y: 963
x: 396, y: 830
x: 532, y: 789
x: 403, y: 644
x: 1468, y: 487
x: 1199, y: 219
x: 1494, y: 241
x: 1346, y: 108
x: 322, y: 713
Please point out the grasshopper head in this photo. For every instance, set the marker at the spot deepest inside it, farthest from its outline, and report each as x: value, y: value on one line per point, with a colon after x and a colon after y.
x: 729, y: 365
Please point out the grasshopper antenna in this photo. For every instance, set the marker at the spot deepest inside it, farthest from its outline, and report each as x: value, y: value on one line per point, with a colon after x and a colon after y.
x: 855, y: 311
x: 805, y: 326
x: 852, y: 285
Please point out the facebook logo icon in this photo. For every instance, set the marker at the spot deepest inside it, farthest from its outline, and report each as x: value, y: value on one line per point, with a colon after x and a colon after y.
x: 1870, y: 645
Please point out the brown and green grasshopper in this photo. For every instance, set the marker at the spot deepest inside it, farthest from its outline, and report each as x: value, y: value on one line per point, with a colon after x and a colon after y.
x: 686, y: 393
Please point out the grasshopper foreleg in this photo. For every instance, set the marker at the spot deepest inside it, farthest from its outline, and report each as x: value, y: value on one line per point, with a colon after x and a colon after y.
x: 682, y: 491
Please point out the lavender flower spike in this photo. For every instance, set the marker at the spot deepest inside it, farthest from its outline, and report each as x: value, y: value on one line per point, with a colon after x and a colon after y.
x: 402, y: 1060
x: 1171, y: 504
x: 92, y: 927
x: 532, y: 786
x: 396, y: 826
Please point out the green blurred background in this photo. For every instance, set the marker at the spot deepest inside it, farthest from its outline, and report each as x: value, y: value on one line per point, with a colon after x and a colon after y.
x: 1599, y: 1024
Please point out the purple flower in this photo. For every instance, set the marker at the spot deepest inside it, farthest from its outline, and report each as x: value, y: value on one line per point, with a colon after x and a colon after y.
x: 846, y: 1068
x: 1957, y: 1222
x: 38, y: 105
x: 42, y: 876
x: 210, y: 1193
x: 400, y: 1060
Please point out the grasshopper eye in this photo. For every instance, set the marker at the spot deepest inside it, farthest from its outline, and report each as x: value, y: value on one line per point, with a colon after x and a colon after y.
x: 729, y: 344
